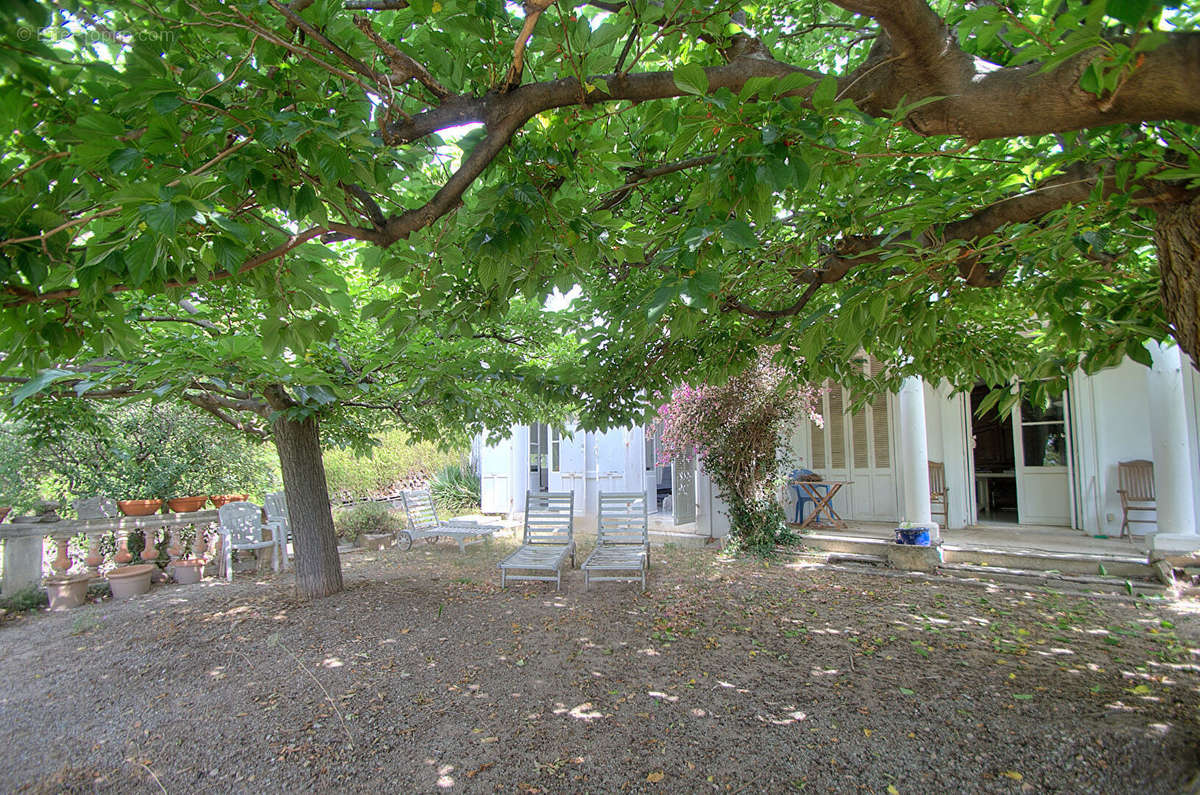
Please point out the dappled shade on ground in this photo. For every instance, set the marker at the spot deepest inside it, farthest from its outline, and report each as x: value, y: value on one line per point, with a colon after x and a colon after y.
x: 727, y: 675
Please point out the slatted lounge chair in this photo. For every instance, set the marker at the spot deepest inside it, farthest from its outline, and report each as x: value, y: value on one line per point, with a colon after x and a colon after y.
x: 622, y: 552
x: 548, y: 541
x: 423, y: 522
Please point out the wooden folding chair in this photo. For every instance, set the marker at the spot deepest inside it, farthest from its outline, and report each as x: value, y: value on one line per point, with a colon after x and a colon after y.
x: 938, y: 491
x: 1135, y: 481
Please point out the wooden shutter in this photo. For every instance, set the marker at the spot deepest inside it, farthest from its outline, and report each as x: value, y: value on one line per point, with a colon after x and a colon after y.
x: 816, y: 434
x: 880, y: 422
x: 858, y: 432
x: 835, y: 421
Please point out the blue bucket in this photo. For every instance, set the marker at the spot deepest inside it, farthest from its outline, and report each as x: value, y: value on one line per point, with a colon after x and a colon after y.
x: 916, y: 536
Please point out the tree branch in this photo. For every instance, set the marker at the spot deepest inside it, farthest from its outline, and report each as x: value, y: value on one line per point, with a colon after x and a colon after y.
x: 773, y: 314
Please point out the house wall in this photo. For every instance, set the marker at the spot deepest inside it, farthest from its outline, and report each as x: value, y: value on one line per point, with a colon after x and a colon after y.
x: 948, y: 442
x: 1191, y: 394
x: 1111, y: 425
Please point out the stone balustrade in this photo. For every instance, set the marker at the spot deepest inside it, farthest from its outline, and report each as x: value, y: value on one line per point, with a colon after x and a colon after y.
x: 24, y: 542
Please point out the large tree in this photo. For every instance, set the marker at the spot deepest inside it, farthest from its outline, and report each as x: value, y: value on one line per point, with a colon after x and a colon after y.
x: 339, y: 381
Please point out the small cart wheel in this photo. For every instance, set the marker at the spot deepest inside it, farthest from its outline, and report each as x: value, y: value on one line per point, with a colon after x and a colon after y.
x: 404, y: 541
x: 432, y: 539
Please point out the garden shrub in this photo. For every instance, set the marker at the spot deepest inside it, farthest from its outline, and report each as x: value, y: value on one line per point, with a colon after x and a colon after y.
x: 73, y: 449
x: 456, y: 489
x: 396, y: 462
x: 736, y: 430
x: 371, y: 517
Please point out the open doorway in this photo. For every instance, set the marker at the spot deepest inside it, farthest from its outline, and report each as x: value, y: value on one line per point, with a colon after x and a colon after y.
x: 995, y: 462
x: 658, y: 476
x: 539, y: 457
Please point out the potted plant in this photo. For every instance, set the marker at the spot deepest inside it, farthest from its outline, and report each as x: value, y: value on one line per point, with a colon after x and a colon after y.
x: 141, y: 482
x: 67, y: 590
x: 130, y: 581
x: 185, y: 486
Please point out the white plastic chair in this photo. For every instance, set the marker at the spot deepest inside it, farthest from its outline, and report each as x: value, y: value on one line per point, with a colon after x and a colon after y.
x: 242, y: 528
x: 280, y: 523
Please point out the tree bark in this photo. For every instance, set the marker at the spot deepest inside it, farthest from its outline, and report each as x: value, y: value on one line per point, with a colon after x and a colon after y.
x: 1177, y: 238
x: 318, y: 567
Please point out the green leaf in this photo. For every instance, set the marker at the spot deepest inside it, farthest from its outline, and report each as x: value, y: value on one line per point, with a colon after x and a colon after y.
x: 36, y: 384
x: 1128, y: 11
x: 739, y: 234
x: 825, y: 94
x: 691, y: 79
x: 122, y: 159
x: 162, y: 217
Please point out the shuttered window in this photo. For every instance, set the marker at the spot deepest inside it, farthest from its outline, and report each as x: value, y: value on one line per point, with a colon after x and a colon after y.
x: 817, y: 434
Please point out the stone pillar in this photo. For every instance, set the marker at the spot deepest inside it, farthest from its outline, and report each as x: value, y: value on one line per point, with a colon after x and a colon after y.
x: 1173, y: 461
x: 22, y: 564
x: 914, y: 457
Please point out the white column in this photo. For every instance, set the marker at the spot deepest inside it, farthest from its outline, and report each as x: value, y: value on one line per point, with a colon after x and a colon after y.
x: 914, y: 456
x: 1173, y: 467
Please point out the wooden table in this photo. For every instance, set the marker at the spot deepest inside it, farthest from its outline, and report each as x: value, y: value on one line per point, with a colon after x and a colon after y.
x: 822, y: 501
x: 983, y: 488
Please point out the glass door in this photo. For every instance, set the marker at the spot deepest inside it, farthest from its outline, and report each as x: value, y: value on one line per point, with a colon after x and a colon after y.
x: 1040, y: 436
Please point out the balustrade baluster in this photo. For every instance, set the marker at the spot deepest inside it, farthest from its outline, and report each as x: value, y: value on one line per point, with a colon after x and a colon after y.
x: 94, y: 558
x: 62, y: 560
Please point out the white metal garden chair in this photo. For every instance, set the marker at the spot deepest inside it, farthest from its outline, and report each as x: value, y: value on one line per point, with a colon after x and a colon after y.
x: 548, y: 541
x: 275, y: 504
x: 622, y: 552
x: 241, y: 527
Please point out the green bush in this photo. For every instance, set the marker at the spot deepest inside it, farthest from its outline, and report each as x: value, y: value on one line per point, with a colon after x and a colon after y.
x: 25, y: 599
x: 456, y: 489
x: 395, y: 463
x: 373, y: 517
x: 71, y: 449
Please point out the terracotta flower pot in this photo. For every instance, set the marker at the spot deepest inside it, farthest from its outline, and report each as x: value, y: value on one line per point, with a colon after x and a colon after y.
x: 4, y: 511
x: 139, y: 507
x: 130, y: 581
x: 187, y: 572
x: 67, y: 590
x: 187, y: 504
x: 220, y: 499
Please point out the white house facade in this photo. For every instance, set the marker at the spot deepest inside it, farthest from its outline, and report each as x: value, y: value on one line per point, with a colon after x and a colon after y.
x: 1030, y: 467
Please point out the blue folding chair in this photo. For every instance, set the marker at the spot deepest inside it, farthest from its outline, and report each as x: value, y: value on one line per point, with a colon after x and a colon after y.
x: 801, y: 496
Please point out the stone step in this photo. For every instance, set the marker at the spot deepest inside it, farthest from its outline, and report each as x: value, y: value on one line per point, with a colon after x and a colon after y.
x: 1073, y: 563
x: 687, y: 540
x: 1029, y: 578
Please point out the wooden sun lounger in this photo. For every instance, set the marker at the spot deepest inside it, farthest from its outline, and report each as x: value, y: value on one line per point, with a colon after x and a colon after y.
x: 622, y: 552
x: 548, y: 541
x: 423, y: 523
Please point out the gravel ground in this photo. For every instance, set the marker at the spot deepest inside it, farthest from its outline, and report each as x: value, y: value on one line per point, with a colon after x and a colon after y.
x: 727, y: 675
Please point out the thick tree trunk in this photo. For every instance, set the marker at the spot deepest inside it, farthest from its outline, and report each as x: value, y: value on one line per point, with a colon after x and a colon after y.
x: 1177, y: 237
x: 318, y: 568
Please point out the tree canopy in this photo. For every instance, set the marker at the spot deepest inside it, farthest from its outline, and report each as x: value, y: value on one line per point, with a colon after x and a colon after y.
x: 823, y: 176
